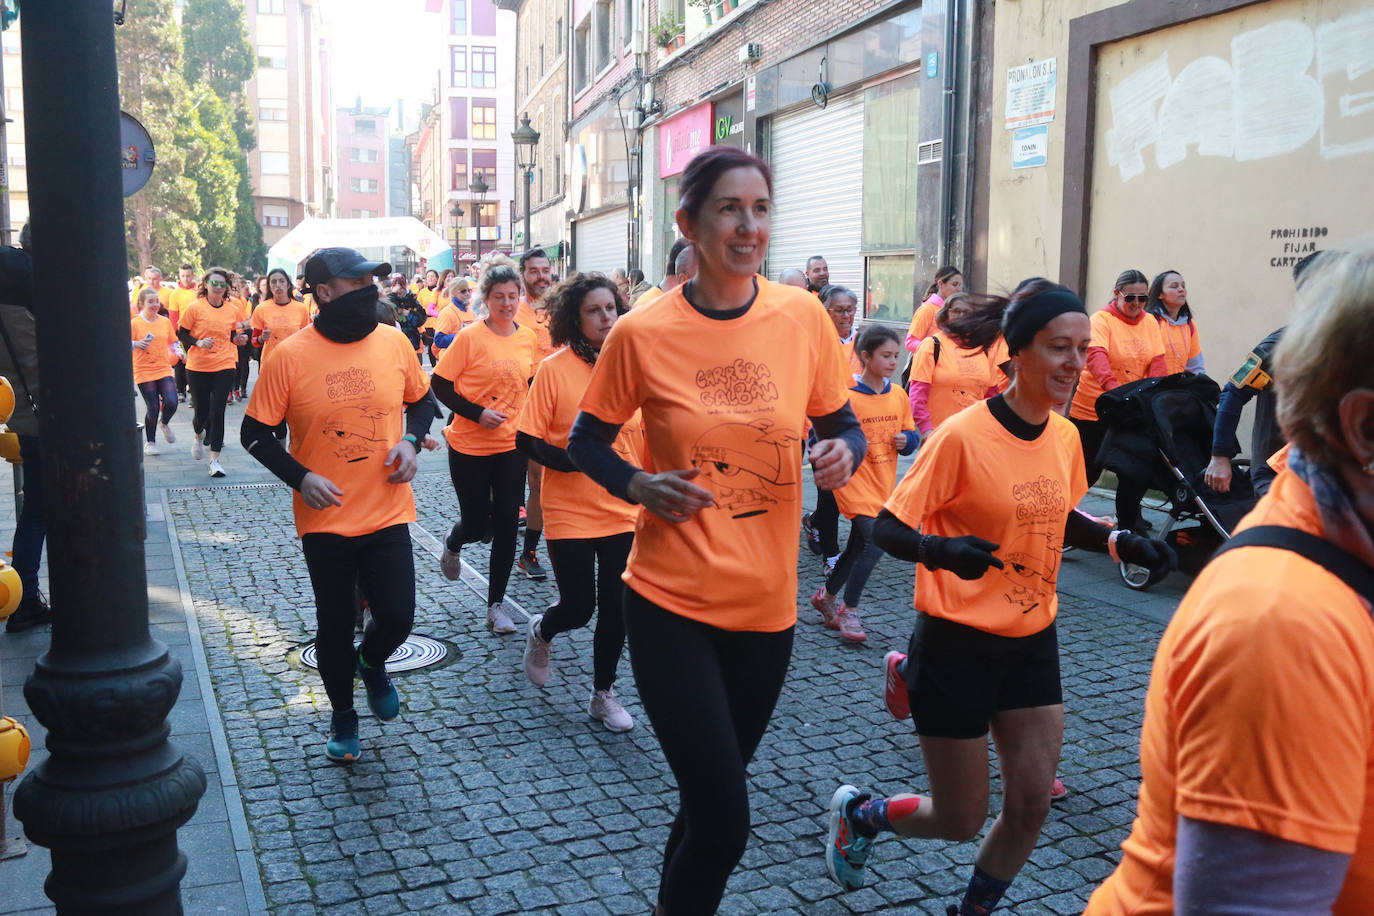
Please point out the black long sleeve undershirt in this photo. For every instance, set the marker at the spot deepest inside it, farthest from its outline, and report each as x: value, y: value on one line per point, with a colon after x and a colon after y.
x: 448, y: 396
x: 590, y: 451
x: 903, y: 542
x: 550, y: 456
x: 188, y: 340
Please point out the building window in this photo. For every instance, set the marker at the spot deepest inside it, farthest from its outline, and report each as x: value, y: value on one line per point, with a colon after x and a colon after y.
x: 271, y: 109
x: 602, y: 27
x: 458, y: 119
x: 459, y: 24
x: 558, y: 31
x: 458, y: 67
x: 18, y: 159
x: 483, y: 17
x: 627, y: 22
x: 483, y: 68
x: 362, y: 155
x: 458, y: 169
x: 581, y: 49
x: 271, y: 57
x: 484, y: 119
x: 486, y: 216
x: 273, y: 215
x: 889, y: 197
x: 542, y: 68
x: 484, y: 166
x: 365, y: 126
x: 363, y: 185
x: 276, y: 7
x: 274, y: 163
x: 363, y: 214
x: 557, y: 174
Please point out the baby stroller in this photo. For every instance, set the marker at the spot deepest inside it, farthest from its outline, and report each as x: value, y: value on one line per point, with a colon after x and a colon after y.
x: 1159, y: 432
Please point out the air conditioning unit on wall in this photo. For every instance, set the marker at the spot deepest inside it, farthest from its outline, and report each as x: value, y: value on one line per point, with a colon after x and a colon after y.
x: 750, y: 51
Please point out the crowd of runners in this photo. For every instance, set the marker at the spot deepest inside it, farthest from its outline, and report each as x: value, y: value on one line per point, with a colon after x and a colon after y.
x: 657, y: 436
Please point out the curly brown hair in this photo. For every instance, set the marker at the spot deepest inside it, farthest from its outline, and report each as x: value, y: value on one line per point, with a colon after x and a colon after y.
x: 564, y: 303
x: 228, y: 276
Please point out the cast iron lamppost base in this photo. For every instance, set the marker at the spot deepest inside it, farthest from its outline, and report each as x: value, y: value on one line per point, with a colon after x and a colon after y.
x: 478, y: 187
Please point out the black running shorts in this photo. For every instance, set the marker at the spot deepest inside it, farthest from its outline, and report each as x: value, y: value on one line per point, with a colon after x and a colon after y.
x: 958, y: 677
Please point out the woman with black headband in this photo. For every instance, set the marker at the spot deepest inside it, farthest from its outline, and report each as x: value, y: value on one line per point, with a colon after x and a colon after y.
x: 985, y: 512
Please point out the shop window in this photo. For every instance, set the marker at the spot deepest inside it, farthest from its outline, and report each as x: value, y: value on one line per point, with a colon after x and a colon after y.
x: 484, y: 119
x: 484, y: 68
x: 889, y: 198
x: 888, y: 288
x: 458, y: 67
x: 458, y: 118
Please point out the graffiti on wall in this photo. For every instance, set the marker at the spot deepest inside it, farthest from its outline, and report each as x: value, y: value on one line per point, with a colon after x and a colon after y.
x: 1284, y: 84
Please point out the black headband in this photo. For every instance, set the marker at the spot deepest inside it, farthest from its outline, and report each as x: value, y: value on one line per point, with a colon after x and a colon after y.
x: 1024, y: 319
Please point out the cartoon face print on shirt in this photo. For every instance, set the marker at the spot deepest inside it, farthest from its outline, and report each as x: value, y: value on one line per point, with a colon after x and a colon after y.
x: 506, y: 387
x: 1032, y: 557
x: 744, y: 465
x: 355, y: 428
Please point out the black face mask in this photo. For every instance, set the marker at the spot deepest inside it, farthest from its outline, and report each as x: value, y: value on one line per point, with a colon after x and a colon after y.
x: 350, y: 317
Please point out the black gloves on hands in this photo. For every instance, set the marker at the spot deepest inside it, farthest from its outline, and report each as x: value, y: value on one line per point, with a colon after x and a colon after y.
x: 967, y: 556
x: 1156, y: 556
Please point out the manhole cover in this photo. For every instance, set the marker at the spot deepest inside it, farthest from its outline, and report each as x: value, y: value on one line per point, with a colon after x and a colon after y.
x: 415, y: 653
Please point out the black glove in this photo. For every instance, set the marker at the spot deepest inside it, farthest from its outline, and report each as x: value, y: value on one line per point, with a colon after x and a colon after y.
x: 1156, y: 556
x: 966, y: 556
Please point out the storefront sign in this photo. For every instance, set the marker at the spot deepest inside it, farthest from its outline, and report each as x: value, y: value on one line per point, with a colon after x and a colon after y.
x: 750, y: 93
x: 682, y: 137
x: 729, y: 120
x: 1031, y: 93
x: 1030, y: 146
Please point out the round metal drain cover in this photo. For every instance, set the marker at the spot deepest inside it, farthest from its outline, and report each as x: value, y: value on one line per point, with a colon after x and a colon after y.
x: 415, y: 653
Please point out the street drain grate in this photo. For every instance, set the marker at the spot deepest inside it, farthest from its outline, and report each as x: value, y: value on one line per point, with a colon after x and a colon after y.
x: 415, y: 653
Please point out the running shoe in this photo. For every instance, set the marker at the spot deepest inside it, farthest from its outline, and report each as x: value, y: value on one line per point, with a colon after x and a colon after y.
x: 498, y: 621
x: 382, y: 698
x: 215, y: 469
x: 150, y: 448
x: 343, y: 744
x: 167, y: 435
x: 33, y: 611
x: 536, y: 654
x: 520, y: 519
x: 845, y: 850
x: 826, y: 605
x: 1058, y: 791
x: 198, y: 448
x: 529, y: 565
x: 813, y: 537
x: 606, y: 706
x: 451, y: 564
x: 895, y: 695
x: 847, y: 622
x: 828, y: 565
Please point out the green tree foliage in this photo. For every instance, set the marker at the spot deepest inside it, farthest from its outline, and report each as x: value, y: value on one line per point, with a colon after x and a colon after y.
x: 217, y: 47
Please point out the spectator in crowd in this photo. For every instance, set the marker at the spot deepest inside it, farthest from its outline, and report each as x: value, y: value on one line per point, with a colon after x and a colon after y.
x: 669, y: 274
x: 791, y: 276
x: 638, y: 285
x: 817, y: 274
x: 948, y: 281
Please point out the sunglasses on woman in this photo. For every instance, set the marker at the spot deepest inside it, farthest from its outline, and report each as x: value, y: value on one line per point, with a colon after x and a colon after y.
x: 1133, y: 297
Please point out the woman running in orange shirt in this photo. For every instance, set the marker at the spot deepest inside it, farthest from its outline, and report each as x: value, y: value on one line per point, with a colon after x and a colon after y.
x: 948, y: 281
x: 985, y: 511
x: 1126, y: 346
x: 1169, y: 303
x: 454, y: 316
x: 211, y: 331
x: 589, y: 536
x: 725, y: 370
x: 1257, y: 753
x: 483, y: 377
x: 882, y: 411
x: 949, y: 371
x: 155, y: 350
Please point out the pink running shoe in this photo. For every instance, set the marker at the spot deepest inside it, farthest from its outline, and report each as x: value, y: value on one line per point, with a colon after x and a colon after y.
x: 895, y: 695
x: 826, y: 605
x: 1058, y: 791
x: 851, y: 630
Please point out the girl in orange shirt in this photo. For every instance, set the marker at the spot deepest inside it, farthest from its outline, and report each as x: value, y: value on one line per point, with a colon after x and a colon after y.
x: 882, y: 411
x: 983, y: 654
x: 948, y: 281
x: 1169, y: 303
x: 949, y: 371
x: 211, y: 330
x: 154, y: 351
x: 589, y: 535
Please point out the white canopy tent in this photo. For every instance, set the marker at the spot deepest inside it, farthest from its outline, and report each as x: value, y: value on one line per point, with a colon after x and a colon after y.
x: 380, y: 232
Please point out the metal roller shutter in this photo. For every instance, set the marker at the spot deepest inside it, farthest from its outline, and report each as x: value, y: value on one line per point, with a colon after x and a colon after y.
x: 601, y: 243
x: 817, y: 159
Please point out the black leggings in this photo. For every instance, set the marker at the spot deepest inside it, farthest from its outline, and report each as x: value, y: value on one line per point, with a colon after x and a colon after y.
x: 489, y: 488
x: 383, y: 566
x: 245, y: 361
x: 179, y: 371
x: 587, y: 571
x: 160, y: 395
x: 856, y: 564
x: 709, y: 694
x: 209, y: 395
x: 1129, y: 493
x: 826, y: 521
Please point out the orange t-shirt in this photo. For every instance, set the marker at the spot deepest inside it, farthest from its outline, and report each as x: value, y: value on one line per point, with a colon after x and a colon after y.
x: 429, y: 299
x: 201, y: 320
x: 538, y: 321
x: 343, y: 403
x: 998, y: 356
x: 575, y: 506
x: 1260, y: 715
x: 1181, y: 343
x: 649, y: 295
x: 164, y: 295
x: 962, y: 376
x: 728, y: 397
x: 493, y: 371
x: 922, y: 322
x: 1130, y: 348
x: 882, y: 416
x: 245, y: 308
x: 450, y: 320
x: 177, y: 301
x: 853, y: 365
x: 281, y: 320
x: 155, y: 362
x: 972, y: 476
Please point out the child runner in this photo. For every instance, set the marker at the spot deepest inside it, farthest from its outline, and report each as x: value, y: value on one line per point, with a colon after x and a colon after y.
x: 882, y: 410
x: 984, y: 654
x: 589, y: 535
x: 155, y: 351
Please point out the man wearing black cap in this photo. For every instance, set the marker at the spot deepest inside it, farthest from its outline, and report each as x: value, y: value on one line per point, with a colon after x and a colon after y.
x: 341, y: 385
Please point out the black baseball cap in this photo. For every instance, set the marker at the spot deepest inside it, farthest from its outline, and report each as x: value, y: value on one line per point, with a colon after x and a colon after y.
x: 328, y: 263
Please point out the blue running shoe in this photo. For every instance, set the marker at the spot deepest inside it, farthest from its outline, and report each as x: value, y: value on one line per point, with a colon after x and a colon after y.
x: 343, y: 744
x: 382, y: 698
x: 845, y: 850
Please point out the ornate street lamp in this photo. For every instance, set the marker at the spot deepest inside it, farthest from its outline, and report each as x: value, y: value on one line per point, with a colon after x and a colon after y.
x: 479, y: 190
x: 456, y: 211
x: 526, y: 142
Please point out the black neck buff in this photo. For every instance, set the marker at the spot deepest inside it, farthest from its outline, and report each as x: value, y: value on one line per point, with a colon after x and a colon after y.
x: 350, y: 317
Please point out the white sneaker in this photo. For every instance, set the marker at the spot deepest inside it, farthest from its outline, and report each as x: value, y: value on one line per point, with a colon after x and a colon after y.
x: 150, y: 448
x: 605, y: 705
x: 215, y: 469
x: 536, y: 654
x: 198, y: 449
x: 498, y: 621
x: 451, y: 564
x: 167, y: 435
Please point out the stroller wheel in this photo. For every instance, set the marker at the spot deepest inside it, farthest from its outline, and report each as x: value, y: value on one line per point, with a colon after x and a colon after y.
x: 1135, y: 577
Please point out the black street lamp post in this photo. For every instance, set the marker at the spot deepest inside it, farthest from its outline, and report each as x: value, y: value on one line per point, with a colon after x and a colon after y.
x: 456, y: 211
x: 526, y: 140
x: 479, y: 189
x: 110, y: 796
